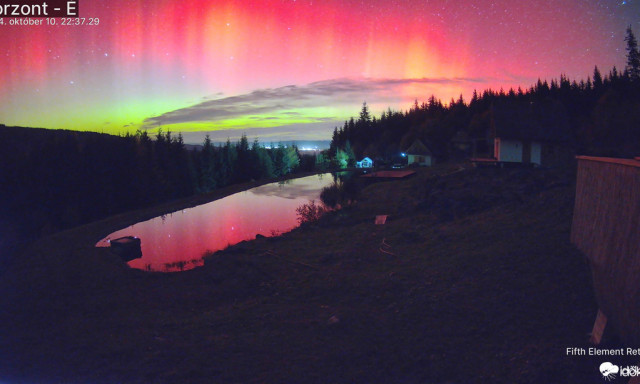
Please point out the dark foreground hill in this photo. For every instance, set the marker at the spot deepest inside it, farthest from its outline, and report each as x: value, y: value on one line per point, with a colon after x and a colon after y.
x: 472, y: 279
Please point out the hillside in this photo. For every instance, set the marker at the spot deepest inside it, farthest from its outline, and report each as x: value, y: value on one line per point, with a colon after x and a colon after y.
x: 57, y: 179
x: 472, y: 279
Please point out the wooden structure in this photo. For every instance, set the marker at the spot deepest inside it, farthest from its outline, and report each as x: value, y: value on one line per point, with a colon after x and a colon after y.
x: 484, y: 162
x: 381, y: 219
x: 531, y: 133
x: 606, y: 228
x: 418, y: 153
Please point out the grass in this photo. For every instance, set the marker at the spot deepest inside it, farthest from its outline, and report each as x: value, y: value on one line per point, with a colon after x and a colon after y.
x: 472, y: 279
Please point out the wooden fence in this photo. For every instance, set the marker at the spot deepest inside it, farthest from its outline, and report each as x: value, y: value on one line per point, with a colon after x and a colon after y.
x: 606, y: 228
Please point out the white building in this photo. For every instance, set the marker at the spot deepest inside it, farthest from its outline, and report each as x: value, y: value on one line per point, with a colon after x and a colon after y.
x: 418, y: 153
x: 517, y: 151
x: 530, y: 133
x: 365, y: 163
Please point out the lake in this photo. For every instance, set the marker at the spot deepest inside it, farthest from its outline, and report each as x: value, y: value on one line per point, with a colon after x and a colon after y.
x: 178, y: 241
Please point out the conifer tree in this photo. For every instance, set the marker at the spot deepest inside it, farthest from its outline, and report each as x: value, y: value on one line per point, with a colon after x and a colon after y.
x: 290, y: 160
x: 335, y: 138
x: 633, y: 57
x: 207, y: 167
x: 365, y: 116
x: 597, y: 78
x: 350, y: 156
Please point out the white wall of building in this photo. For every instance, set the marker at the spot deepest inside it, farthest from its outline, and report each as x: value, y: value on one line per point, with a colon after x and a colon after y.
x: 509, y: 150
x: 421, y: 160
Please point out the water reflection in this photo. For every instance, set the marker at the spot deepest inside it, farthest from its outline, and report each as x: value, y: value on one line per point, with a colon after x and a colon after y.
x: 177, y: 241
x: 288, y: 191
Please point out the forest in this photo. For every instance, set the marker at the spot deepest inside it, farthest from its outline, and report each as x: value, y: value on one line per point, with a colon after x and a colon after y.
x: 57, y: 179
x: 603, y: 114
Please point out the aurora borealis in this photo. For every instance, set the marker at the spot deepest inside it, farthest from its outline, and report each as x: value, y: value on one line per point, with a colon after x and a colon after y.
x: 290, y: 69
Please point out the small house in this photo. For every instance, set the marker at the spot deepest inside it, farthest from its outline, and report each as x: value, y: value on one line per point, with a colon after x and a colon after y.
x: 531, y: 133
x: 365, y: 163
x: 419, y: 154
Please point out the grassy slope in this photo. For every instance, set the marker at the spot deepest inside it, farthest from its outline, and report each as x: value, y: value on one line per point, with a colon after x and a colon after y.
x: 480, y: 284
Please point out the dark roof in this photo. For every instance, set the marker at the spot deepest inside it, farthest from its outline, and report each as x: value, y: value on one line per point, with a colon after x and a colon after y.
x: 540, y: 121
x: 418, y: 148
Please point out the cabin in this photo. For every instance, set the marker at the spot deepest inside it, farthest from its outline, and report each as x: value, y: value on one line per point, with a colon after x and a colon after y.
x: 365, y: 163
x: 419, y: 154
x: 606, y: 228
x: 531, y: 133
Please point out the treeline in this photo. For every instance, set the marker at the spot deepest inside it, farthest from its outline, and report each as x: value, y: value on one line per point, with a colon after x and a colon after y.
x: 603, y: 113
x: 215, y: 167
x: 53, y: 180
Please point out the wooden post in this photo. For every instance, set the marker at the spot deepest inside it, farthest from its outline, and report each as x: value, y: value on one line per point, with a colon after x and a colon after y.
x: 381, y: 219
x: 598, y: 328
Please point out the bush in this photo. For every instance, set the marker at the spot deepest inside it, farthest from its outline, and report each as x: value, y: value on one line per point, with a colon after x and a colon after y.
x: 310, y: 212
x: 343, y: 193
x: 351, y: 190
x: 330, y: 195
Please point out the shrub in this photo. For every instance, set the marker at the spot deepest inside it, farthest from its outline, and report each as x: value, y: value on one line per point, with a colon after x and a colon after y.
x: 330, y: 195
x: 343, y: 193
x: 310, y: 212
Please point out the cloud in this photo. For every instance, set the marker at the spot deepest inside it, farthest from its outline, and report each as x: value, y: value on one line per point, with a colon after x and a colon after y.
x: 282, y: 133
x: 278, y: 103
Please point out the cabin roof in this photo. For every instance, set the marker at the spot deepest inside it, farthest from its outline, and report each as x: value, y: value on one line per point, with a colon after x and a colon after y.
x: 539, y: 121
x: 418, y: 148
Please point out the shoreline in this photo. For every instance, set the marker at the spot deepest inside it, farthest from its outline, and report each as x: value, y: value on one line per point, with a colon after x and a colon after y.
x: 81, y: 240
x: 93, y: 232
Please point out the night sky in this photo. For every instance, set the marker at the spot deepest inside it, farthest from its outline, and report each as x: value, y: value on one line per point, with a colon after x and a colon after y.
x: 290, y: 69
